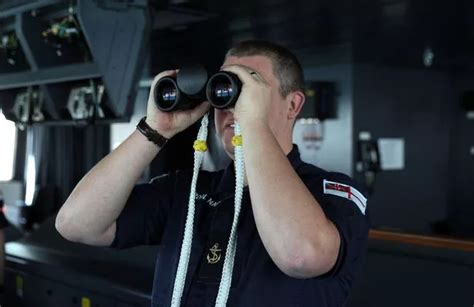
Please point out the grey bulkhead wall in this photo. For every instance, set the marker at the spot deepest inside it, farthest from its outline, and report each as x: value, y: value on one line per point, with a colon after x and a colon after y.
x: 414, y: 105
x: 336, y: 150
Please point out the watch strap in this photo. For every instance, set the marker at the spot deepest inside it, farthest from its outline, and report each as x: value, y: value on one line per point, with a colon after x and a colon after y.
x: 151, y: 134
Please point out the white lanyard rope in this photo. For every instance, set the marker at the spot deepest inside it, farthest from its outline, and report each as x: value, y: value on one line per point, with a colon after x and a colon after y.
x: 226, y: 278
x: 180, y: 279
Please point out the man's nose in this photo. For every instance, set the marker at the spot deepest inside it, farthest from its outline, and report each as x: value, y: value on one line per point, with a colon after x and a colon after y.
x: 225, y: 113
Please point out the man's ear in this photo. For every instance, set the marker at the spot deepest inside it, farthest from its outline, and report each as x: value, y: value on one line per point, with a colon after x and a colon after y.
x: 296, y: 102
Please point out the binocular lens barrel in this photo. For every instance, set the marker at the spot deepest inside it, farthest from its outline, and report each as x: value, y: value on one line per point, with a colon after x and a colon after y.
x: 166, y: 94
x: 223, y: 89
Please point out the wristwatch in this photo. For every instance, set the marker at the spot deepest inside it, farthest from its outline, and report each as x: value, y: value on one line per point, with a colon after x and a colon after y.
x: 151, y: 134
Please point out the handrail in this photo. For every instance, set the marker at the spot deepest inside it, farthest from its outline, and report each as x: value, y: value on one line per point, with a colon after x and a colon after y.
x: 423, y: 240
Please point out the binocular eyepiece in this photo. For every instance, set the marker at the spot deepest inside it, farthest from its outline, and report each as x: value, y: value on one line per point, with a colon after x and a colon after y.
x: 191, y: 87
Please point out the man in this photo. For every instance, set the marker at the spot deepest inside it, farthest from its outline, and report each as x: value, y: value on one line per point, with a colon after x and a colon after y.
x: 302, y: 230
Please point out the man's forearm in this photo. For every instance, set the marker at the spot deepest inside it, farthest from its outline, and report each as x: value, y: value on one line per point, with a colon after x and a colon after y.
x: 292, y: 226
x: 100, y: 196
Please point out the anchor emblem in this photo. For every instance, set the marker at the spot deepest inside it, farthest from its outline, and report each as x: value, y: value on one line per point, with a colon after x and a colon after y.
x: 214, y: 256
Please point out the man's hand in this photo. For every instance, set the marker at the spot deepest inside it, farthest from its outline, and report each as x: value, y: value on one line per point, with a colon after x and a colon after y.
x: 170, y: 123
x: 254, y: 103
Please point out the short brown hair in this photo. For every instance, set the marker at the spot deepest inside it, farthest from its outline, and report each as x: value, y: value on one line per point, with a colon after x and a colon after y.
x: 286, y: 66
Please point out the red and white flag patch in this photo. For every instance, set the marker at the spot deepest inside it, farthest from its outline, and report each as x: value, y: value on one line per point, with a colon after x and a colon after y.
x: 345, y: 191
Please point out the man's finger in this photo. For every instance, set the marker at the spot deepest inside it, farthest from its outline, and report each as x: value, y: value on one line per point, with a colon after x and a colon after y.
x: 165, y: 73
x: 194, y: 114
x: 200, y: 110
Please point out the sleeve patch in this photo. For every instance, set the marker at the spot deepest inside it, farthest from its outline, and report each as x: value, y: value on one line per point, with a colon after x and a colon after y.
x: 347, y: 192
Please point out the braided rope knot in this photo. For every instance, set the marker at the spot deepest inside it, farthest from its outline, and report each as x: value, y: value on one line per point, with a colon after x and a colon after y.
x: 200, y: 145
x: 237, y: 140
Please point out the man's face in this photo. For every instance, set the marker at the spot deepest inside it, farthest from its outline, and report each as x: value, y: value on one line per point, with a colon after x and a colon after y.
x: 278, y: 115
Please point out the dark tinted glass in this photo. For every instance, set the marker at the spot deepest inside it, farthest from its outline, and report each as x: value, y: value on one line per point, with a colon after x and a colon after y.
x: 222, y: 91
x: 166, y: 94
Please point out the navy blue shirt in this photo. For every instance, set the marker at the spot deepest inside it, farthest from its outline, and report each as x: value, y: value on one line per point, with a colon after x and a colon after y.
x: 155, y: 214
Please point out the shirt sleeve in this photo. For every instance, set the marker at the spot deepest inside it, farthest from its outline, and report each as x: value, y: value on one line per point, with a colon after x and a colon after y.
x: 144, y: 217
x: 344, y: 203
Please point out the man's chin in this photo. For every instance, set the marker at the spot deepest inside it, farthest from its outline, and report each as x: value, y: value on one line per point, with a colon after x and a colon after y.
x: 228, y: 147
x: 230, y: 152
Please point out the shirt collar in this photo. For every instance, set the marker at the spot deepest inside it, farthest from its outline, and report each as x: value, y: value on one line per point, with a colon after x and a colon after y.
x: 227, y: 182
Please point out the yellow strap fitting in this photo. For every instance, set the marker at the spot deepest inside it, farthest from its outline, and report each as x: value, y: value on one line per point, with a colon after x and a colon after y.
x: 200, y: 145
x: 237, y: 140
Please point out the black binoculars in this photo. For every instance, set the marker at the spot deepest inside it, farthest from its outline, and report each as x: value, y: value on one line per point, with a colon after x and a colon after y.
x: 191, y: 87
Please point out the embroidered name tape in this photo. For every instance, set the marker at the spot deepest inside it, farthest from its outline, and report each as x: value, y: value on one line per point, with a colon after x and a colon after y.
x: 345, y: 191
